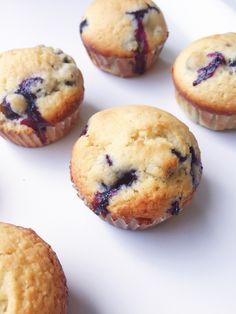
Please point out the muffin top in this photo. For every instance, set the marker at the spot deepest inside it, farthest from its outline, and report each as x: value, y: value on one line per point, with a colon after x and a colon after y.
x: 123, y: 27
x: 136, y: 162
x: 205, y: 73
x: 32, y: 280
x: 41, y: 84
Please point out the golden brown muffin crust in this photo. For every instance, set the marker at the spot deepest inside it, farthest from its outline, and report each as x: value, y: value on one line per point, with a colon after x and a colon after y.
x: 31, y: 278
x: 142, y: 142
x: 61, y: 89
x: 217, y: 94
x: 110, y: 29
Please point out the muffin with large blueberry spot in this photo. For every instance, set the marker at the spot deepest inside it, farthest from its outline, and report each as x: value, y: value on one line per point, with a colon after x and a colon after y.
x: 32, y: 279
x: 123, y: 37
x: 41, y: 90
x: 136, y: 166
x: 204, y: 75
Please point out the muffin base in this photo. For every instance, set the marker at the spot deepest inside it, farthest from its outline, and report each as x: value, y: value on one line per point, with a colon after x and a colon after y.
x: 210, y: 120
x: 124, y: 67
x: 133, y: 224
x: 121, y: 223
x: 52, y: 133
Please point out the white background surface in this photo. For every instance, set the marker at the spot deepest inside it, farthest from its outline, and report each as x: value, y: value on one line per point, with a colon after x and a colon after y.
x: 185, y: 265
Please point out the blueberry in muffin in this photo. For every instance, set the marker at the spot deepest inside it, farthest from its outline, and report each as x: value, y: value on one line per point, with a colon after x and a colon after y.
x: 204, y: 75
x: 41, y: 89
x: 123, y: 37
x: 136, y: 166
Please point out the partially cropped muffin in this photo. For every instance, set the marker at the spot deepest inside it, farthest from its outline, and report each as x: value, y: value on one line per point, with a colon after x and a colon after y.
x: 41, y: 89
x: 136, y: 166
x: 123, y: 37
x: 204, y: 75
x: 32, y: 280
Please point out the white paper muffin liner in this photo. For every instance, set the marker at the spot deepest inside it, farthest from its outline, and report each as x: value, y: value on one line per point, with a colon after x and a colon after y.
x: 213, y: 121
x: 133, y: 224
x: 52, y: 133
x: 123, y: 67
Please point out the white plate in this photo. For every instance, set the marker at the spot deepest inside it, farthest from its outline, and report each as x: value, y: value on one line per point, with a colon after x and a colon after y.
x: 186, y: 265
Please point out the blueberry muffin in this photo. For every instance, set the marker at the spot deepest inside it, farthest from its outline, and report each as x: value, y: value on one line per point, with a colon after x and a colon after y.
x: 204, y: 75
x: 31, y: 277
x: 123, y: 37
x: 41, y: 89
x: 135, y: 166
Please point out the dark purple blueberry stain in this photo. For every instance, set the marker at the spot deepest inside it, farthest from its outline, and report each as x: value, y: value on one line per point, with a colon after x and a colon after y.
x: 58, y: 52
x: 82, y: 25
x: 8, y: 112
x: 34, y: 119
x: 232, y: 63
x: 66, y: 59
x: 84, y: 130
x: 25, y: 86
x: 150, y: 7
x: 108, y: 160
x: 37, y: 124
x: 196, y: 166
x: 209, y: 70
x: 126, y: 179
x: 101, y: 199
x: 174, y: 209
x: 141, y: 38
x: 179, y: 155
x: 69, y: 83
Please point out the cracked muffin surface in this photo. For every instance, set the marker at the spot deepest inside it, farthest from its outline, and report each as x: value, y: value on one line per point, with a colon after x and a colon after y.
x: 31, y: 278
x: 136, y: 162
x: 40, y: 87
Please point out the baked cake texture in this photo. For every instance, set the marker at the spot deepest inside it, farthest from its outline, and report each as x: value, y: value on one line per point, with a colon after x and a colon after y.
x: 123, y: 37
x: 136, y: 166
x: 204, y: 75
x: 41, y: 89
x: 31, y: 277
